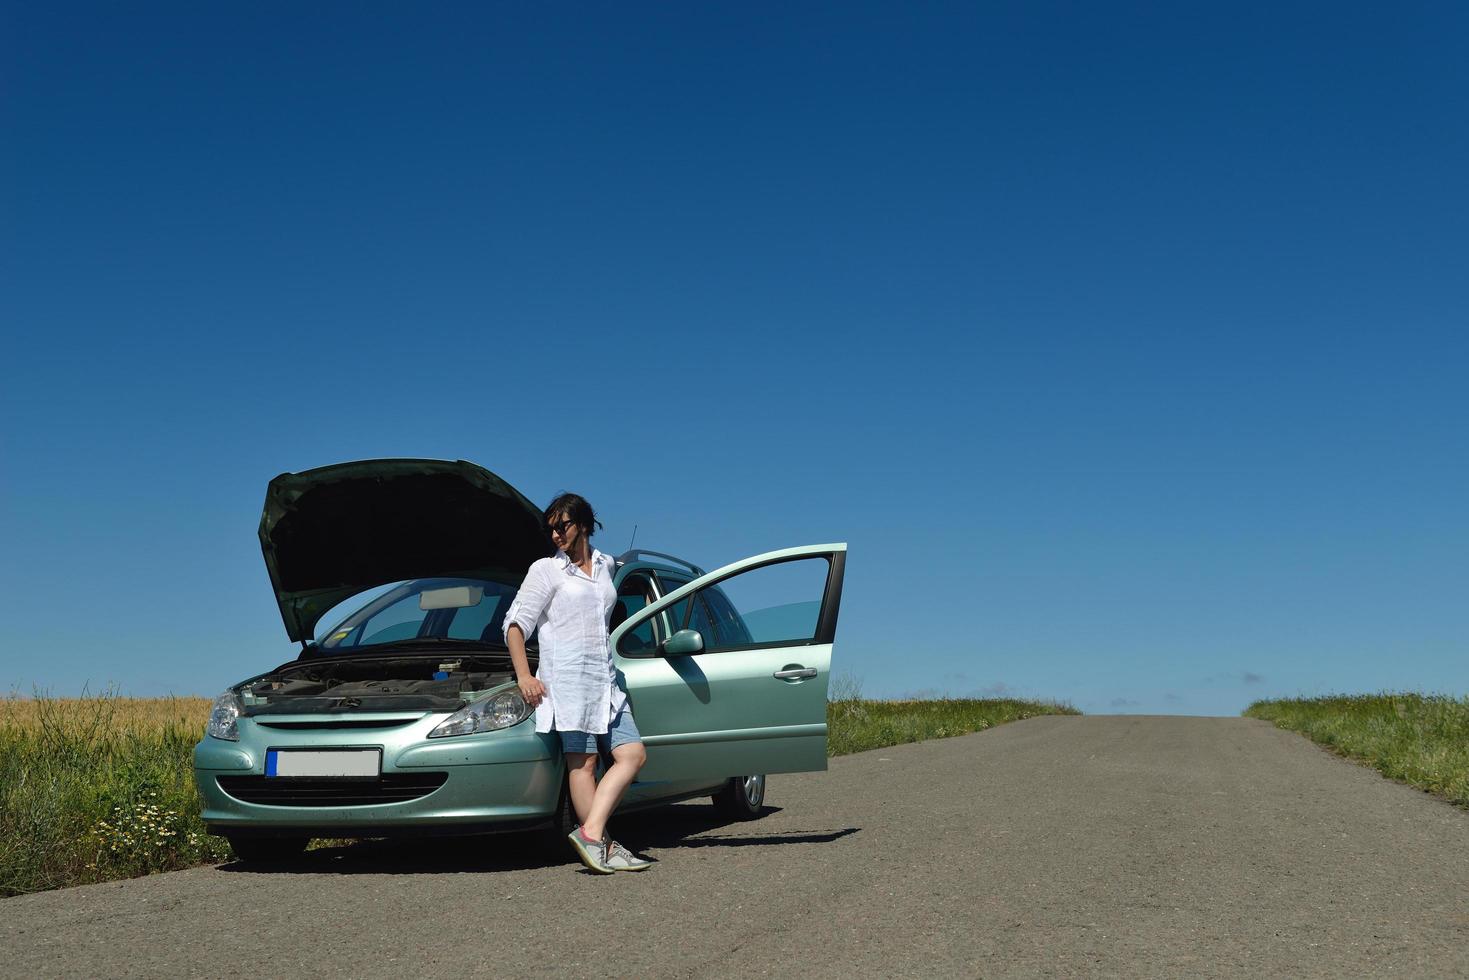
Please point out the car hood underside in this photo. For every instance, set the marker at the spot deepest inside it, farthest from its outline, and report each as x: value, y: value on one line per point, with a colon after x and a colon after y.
x: 330, y: 533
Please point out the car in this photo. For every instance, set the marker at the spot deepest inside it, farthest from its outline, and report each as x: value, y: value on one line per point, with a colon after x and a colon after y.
x: 403, y: 717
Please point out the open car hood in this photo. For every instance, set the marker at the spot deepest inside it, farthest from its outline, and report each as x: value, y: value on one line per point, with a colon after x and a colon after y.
x: 332, y: 532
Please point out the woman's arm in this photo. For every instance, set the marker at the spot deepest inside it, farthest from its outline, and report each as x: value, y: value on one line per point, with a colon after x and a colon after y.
x: 531, y: 689
x: 520, y: 622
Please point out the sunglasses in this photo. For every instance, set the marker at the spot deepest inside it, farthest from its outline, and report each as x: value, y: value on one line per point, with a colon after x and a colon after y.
x: 559, y: 527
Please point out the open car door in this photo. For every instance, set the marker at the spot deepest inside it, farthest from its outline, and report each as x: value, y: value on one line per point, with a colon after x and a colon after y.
x: 728, y: 674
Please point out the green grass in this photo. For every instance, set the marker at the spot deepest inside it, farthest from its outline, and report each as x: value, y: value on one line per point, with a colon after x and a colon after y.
x: 101, y: 788
x: 1418, y: 739
x: 856, y: 725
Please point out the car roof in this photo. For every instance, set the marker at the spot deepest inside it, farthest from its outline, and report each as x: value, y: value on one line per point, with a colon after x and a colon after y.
x: 661, y: 561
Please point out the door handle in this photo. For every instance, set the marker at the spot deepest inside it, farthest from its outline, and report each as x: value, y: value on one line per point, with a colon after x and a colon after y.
x: 795, y: 674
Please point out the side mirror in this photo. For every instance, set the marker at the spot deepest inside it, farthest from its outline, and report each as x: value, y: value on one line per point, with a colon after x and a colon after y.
x: 683, y: 643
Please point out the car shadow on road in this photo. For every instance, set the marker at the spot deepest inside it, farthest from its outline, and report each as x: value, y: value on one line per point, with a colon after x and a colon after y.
x: 687, y: 825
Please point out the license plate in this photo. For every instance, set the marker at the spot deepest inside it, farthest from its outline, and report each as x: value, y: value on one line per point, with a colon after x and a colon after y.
x: 329, y: 762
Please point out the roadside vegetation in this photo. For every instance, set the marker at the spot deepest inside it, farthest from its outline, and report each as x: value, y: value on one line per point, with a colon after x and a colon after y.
x: 857, y: 725
x: 1418, y: 739
x: 101, y: 788
x: 98, y: 788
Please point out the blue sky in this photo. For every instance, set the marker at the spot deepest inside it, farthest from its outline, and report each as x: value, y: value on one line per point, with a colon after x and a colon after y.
x: 1123, y: 344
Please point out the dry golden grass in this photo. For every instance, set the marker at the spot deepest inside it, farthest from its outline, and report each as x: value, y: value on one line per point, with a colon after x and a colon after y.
x: 104, y: 715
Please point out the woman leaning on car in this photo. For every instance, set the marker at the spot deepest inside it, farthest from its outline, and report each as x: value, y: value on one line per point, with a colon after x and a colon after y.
x: 569, y: 599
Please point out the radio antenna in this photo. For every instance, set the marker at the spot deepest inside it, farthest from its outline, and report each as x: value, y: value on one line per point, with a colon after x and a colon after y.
x: 634, y: 537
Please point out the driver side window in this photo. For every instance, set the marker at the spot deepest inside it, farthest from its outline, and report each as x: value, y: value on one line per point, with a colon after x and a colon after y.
x: 680, y: 615
x: 771, y: 605
x: 633, y: 594
x: 778, y: 604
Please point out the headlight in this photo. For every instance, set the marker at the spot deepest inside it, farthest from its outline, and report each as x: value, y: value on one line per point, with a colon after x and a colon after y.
x: 493, y: 713
x: 224, y: 717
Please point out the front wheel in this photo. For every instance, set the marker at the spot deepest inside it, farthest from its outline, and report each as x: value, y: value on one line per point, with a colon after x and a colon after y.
x: 564, y: 821
x: 742, y: 798
x: 267, y: 850
x: 552, y: 837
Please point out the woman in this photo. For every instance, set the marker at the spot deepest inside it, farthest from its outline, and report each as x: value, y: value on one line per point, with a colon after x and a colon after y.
x: 569, y: 598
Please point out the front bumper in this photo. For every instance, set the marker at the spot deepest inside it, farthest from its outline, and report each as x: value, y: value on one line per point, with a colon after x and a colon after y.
x: 493, y: 781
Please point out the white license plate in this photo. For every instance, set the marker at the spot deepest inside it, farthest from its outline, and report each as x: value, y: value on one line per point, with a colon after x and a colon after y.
x: 341, y: 762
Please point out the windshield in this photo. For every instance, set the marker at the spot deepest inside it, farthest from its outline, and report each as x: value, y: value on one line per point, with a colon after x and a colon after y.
x: 429, y: 609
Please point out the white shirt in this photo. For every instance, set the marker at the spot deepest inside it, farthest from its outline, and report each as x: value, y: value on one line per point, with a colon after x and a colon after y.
x: 571, y: 610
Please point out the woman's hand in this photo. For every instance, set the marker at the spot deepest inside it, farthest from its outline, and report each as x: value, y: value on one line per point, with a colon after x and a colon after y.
x: 532, y: 690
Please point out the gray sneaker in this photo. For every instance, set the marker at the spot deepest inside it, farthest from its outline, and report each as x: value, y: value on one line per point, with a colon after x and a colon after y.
x: 620, y: 858
x: 594, y: 856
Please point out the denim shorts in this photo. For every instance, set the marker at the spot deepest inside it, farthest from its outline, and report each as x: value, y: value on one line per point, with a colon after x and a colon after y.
x: 620, y: 731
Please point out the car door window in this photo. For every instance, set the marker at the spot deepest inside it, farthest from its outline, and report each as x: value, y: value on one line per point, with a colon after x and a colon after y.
x: 635, y: 592
x: 689, y: 612
x: 701, y: 620
x: 729, y: 628
x: 769, y: 605
x: 678, y: 613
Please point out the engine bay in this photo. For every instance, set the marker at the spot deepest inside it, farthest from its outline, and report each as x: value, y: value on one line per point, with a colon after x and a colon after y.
x: 431, y: 683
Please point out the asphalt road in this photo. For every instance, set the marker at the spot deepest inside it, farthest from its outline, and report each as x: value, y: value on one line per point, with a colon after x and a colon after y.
x: 1117, y: 846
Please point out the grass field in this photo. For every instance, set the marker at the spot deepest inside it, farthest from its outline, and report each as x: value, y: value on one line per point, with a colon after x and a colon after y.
x: 1418, y: 739
x: 856, y: 725
x: 100, y: 788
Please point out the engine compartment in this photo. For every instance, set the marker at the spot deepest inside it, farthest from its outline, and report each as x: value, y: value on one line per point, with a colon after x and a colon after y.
x: 431, y: 683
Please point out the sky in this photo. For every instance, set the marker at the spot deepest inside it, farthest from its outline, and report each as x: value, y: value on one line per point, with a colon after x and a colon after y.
x: 1123, y: 344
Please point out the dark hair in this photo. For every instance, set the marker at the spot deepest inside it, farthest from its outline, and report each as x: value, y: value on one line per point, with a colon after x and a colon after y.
x: 576, y: 508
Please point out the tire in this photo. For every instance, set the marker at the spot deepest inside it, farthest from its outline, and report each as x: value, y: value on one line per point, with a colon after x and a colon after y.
x: 742, y: 798
x: 551, y: 839
x: 565, y: 820
x: 267, y: 850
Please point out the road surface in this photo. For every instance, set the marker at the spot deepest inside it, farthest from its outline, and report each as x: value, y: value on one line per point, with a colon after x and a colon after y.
x: 1064, y: 846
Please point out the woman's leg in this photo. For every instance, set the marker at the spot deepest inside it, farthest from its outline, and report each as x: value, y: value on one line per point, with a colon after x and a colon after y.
x: 581, y: 780
x: 626, y: 761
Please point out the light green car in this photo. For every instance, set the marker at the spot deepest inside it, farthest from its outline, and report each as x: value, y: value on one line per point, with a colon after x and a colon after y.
x: 404, y: 719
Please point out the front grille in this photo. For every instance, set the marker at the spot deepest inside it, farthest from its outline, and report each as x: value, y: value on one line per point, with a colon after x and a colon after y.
x: 345, y: 723
x: 332, y: 790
